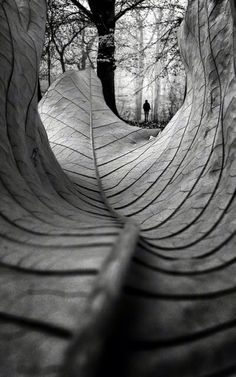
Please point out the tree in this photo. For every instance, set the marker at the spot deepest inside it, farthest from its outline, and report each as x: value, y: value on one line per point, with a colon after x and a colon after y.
x: 69, y: 38
x: 149, y: 54
x: 71, y: 41
x: 104, y: 14
x: 140, y: 64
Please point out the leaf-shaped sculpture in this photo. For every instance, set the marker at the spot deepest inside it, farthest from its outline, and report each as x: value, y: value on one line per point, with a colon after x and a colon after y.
x: 155, y: 215
x: 54, y: 240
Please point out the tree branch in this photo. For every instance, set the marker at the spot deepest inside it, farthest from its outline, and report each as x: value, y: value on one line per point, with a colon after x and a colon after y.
x: 122, y: 12
x: 83, y: 9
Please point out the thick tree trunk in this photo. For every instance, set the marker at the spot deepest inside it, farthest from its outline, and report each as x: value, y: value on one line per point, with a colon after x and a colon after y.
x: 104, y: 14
x: 106, y: 67
x: 39, y: 91
x: 63, y: 67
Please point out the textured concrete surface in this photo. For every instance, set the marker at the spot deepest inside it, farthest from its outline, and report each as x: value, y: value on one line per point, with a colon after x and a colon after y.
x: 120, y: 259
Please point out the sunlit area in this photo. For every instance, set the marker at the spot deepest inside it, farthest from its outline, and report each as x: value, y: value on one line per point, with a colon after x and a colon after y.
x: 148, y: 62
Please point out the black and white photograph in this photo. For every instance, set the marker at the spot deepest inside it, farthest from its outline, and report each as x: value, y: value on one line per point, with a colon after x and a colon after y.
x: 117, y: 188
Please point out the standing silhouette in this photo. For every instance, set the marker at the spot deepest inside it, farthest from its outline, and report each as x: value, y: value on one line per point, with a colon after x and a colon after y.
x: 146, y: 108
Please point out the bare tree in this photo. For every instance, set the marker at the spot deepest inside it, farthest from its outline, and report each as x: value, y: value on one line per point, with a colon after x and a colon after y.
x: 104, y: 14
x: 66, y: 37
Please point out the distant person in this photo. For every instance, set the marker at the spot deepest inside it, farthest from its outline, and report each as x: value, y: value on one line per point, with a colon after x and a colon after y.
x: 146, y: 108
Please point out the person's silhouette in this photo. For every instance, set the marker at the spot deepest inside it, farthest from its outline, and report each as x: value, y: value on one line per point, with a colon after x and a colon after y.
x: 146, y: 108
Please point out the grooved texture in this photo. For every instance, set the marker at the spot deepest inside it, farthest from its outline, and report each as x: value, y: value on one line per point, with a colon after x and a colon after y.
x: 153, y: 214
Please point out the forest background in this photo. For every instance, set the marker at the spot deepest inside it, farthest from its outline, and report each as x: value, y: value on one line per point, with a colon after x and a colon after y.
x: 133, y: 46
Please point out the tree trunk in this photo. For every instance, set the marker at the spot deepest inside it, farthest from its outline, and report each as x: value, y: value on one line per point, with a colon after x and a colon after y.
x: 49, y: 64
x: 104, y: 18
x: 140, y: 66
x: 82, y: 62
x: 63, y: 67
x: 39, y: 91
x: 157, y: 82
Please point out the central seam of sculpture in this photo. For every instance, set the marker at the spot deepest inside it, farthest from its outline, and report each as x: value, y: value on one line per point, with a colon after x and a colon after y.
x: 117, y: 257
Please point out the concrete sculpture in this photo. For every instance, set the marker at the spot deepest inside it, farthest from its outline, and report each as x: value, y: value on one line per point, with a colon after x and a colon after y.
x: 120, y: 259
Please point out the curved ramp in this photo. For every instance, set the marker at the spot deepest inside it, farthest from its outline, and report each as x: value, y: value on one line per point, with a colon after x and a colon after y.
x: 120, y: 259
